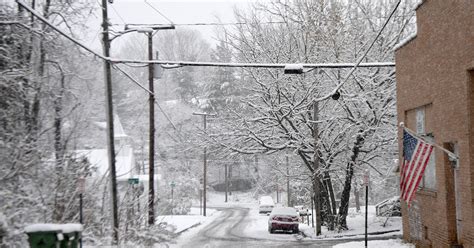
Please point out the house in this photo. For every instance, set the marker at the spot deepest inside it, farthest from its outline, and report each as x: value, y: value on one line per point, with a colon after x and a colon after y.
x: 435, y: 97
x: 98, y: 158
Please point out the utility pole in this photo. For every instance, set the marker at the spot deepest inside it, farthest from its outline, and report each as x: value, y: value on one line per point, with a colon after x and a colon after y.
x: 204, y: 181
x: 288, y: 181
x: 149, y: 31
x: 316, y: 180
x: 110, y: 122
x: 151, y: 151
x: 225, y: 181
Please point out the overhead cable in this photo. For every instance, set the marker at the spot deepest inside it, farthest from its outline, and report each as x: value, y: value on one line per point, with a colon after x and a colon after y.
x: 358, y: 64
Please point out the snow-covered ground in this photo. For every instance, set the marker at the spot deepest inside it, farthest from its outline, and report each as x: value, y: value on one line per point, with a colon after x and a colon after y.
x: 184, y: 222
x: 356, y: 224
x: 241, y: 199
x: 256, y: 225
x: 355, y: 220
x: 391, y: 243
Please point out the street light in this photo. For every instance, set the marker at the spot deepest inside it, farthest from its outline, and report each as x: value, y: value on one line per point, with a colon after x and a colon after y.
x: 149, y: 30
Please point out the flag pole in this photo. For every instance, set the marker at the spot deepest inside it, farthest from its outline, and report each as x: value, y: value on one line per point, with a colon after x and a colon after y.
x: 450, y: 154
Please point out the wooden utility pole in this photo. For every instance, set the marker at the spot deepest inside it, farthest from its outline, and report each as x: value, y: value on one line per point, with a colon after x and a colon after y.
x: 110, y: 122
x: 204, y: 176
x: 316, y: 180
x: 149, y: 29
x: 151, y: 151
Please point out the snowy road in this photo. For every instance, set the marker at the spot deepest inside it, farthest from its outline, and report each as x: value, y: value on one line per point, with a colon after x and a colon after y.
x: 244, y: 227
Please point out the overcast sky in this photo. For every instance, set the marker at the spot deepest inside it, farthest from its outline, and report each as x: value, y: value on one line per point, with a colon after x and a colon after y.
x: 178, y: 11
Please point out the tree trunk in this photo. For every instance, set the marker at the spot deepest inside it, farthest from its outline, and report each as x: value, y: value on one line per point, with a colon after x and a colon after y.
x: 356, y: 196
x: 317, y: 202
x: 328, y: 211
x: 346, y: 193
x: 331, y: 192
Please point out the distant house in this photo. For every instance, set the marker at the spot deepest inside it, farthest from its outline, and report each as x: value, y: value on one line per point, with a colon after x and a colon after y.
x: 435, y: 97
x: 125, y: 161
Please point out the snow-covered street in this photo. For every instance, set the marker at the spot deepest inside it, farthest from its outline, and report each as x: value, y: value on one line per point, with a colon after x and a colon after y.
x: 238, y: 224
x: 243, y: 227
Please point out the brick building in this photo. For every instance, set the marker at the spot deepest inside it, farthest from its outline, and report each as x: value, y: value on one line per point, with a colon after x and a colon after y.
x: 435, y: 92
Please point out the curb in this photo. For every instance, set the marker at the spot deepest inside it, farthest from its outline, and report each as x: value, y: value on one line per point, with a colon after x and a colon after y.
x: 352, y: 235
x: 187, y: 228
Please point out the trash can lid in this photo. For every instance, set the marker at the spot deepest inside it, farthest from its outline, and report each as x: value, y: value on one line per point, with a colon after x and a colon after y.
x: 50, y: 227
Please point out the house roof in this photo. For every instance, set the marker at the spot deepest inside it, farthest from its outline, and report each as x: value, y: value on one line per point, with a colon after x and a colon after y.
x: 98, y: 158
x: 118, y: 128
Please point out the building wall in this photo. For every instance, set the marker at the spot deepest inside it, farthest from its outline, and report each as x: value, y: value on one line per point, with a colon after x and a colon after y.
x: 435, y: 69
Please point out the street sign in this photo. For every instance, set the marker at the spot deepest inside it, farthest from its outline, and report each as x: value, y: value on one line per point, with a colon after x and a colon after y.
x: 133, y: 181
x: 81, y: 184
x: 366, y: 177
x: 172, y: 184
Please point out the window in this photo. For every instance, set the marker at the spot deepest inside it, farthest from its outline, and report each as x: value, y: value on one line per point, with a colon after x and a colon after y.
x: 429, y: 178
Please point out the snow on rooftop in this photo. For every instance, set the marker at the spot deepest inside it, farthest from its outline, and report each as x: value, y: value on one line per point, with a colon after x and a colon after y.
x: 266, y: 200
x: 48, y: 227
x: 99, y: 159
x: 284, y: 211
x: 405, y: 41
x: 118, y: 128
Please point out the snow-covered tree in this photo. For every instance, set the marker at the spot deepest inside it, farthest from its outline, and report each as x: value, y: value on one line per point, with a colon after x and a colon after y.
x: 357, y: 131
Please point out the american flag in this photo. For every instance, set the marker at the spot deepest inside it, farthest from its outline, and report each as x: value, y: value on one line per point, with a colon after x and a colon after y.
x: 416, y: 154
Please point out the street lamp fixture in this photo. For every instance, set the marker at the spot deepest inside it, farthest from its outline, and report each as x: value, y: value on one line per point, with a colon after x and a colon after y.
x: 148, y: 26
x: 293, y: 69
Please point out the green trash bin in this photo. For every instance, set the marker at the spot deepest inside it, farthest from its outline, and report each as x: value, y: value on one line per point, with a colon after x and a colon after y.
x: 72, y: 235
x: 43, y: 235
x: 54, y: 235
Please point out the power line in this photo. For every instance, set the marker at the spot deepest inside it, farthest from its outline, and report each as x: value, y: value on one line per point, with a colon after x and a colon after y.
x: 149, y: 4
x: 358, y: 64
x: 237, y: 23
x: 41, y: 18
x: 212, y: 23
x: 116, y: 12
x: 159, y: 106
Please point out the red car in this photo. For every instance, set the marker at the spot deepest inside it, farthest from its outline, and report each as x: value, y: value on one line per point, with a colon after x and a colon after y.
x: 284, y: 219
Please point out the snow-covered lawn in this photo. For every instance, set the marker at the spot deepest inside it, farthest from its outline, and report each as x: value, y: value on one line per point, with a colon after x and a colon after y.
x: 391, y: 243
x: 241, y: 199
x: 184, y: 222
x: 356, y: 224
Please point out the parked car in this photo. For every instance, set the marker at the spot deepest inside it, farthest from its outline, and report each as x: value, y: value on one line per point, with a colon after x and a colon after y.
x: 266, y: 204
x: 302, y: 211
x: 283, y: 219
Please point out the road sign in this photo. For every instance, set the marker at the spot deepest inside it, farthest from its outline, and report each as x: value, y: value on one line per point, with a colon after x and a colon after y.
x: 172, y: 184
x: 133, y: 181
x: 366, y: 177
x: 81, y: 184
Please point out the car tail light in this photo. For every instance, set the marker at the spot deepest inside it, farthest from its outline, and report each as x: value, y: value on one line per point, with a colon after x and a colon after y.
x: 295, y: 219
x: 275, y: 218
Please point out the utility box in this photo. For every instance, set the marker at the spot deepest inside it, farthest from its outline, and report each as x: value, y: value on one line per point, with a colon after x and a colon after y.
x: 54, y: 235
